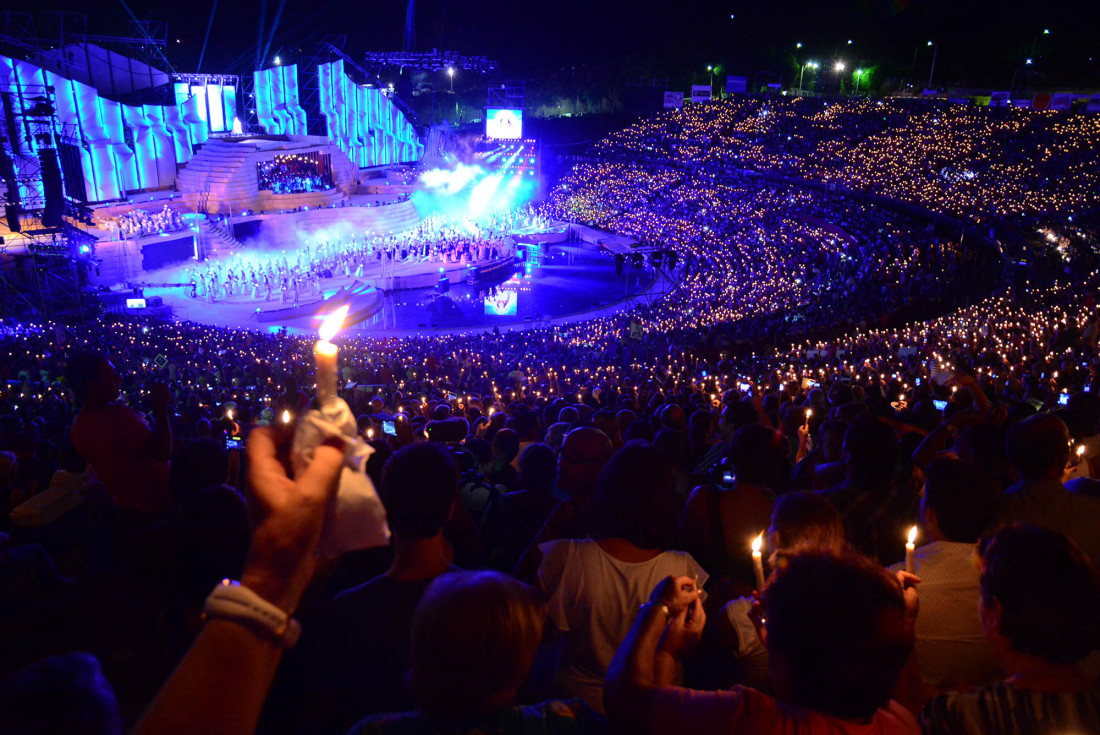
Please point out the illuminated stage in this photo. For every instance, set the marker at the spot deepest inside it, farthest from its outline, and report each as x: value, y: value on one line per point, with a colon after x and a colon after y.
x: 551, y: 277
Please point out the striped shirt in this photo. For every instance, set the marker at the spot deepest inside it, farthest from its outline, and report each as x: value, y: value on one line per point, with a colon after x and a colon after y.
x: 1003, y: 708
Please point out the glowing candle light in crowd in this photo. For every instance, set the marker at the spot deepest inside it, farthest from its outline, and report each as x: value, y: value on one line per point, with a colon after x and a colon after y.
x: 910, y: 550
x: 286, y: 416
x: 758, y: 560
x: 324, y: 355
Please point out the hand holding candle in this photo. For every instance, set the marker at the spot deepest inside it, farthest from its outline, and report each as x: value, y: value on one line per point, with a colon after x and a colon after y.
x: 758, y: 560
x: 910, y: 550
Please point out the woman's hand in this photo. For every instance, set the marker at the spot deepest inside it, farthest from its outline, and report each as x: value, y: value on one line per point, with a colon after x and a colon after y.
x: 684, y: 630
x: 676, y: 593
x: 281, y: 561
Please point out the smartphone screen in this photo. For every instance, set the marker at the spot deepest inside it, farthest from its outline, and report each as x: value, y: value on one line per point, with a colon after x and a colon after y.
x: 940, y: 405
x: 388, y: 428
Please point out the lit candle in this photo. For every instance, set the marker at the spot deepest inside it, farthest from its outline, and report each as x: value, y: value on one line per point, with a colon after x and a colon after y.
x: 758, y: 560
x: 286, y: 417
x: 910, y: 549
x: 324, y: 355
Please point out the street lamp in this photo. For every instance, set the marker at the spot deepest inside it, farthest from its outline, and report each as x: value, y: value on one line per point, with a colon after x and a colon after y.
x: 711, y: 70
x: 798, y: 45
x: 859, y: 73
x: 812, y: 65
x: 839, y: 67
x: 451, y: 74
x: 935, y: 50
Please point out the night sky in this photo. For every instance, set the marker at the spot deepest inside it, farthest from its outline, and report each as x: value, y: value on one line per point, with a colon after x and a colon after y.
x: 980, y: 42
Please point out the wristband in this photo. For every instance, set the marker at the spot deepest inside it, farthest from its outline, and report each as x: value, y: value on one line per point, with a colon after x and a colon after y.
x: 663, y: 608
x: 230, y: 600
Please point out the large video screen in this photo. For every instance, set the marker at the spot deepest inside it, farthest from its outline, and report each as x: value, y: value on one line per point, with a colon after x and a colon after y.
x: 504, y: 302
x: 503, y: 124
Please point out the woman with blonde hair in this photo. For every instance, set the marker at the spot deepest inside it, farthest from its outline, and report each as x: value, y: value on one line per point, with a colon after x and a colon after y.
x: 474, y: 639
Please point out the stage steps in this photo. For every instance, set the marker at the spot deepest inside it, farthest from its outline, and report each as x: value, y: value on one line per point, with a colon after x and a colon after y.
x: 217, y: 238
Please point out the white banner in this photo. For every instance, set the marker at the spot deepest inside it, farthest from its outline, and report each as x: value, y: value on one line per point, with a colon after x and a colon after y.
x: 1061, y: 101
x: 700, y: 92
x: 998, y: 99
x: 674, y: 100
x: 737, y: 85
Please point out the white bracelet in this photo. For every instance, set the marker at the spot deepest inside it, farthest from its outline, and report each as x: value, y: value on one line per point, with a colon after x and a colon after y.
x: 230, y: 600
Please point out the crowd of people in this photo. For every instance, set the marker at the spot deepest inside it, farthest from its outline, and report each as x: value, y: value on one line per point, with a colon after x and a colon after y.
x: 293, y: 174
x: 696, y: 515
x: 983, y: 163
x: 254, y: 274
x: 141, y: 223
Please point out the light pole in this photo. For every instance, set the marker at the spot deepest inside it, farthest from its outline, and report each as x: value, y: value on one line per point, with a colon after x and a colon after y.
x: 812, y: 65
x: 935, y: 50
x: 838, y: 68
x: 451, y: 74
x: 710, y: 69
x: 859, y: 73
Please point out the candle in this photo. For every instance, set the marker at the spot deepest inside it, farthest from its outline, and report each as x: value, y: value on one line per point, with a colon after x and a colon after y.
x: 910, y: 549
x: 758, y: 560
x: 324, y: 355
x: 286, y: 417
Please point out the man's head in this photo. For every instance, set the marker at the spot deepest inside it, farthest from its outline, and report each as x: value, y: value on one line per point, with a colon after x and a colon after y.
x: 758, y: 455
x: 805, y: 520
x: 93, y: 378
x: 960, y: 500
x: 1039, y: 594
x: 871, y: 450
x: 583, y: 454
x: 419, y: 488
x: 836, y: 633
x: 1038, y: 447
x: 538, y: 467
x: 832, y: 440
x: 634, y: 498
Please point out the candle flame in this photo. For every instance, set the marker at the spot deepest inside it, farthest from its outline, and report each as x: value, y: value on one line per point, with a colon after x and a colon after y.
x: 912, y: 535
x: 1080, y: 450
x: 333, y: 323
x: 286, y: 417
x: 758, y: 543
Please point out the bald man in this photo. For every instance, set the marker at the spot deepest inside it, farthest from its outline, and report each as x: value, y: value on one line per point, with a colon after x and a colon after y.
x: 583, y: 454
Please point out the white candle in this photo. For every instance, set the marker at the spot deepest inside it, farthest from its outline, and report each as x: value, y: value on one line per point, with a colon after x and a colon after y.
x: 286, y: 417
x: 758, y: 560
x: 324, y: 355
x: 910, y: 549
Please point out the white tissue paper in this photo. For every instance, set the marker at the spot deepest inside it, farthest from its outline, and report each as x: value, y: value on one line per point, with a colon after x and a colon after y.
x: 355, y: 518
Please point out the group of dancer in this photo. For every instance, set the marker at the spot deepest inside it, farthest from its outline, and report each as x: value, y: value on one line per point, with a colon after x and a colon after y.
x: 257, y: 276
x: 140, y: 223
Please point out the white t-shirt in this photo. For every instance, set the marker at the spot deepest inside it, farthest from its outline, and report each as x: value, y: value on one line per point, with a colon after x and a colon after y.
x: 593, y: 600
